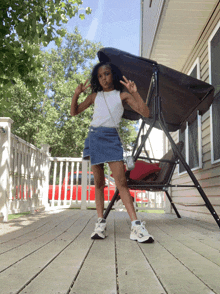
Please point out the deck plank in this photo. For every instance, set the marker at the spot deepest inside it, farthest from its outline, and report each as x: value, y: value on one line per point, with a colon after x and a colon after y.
x: 134, y: 272
x: 98, y: 274
x: 26, y: 269
x: 53, y: 253
x: 199, y: 272
x: 209, y: 235
x: 61, y: 273
x: 32, y: 232
x: 23, y: 251
x: 27, y: 223
x: 198, y: 242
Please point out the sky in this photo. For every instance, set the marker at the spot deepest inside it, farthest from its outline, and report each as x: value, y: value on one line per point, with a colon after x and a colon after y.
x: 114, y: 23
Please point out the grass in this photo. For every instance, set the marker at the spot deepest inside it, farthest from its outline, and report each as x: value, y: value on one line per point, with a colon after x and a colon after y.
x: 160, y: 211
x: 17, y: 215
x: 152, y: 211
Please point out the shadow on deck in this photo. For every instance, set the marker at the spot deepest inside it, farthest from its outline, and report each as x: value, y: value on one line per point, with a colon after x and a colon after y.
x: 53, y: 253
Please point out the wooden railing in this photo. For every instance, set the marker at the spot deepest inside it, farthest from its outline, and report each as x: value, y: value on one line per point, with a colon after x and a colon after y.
x: 31, y: 180
x: 28, y: 176
x: 71, y: 183
x: 23, y: 173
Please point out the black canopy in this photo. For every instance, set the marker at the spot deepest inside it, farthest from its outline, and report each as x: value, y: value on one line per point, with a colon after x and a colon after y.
x: 181, y: 95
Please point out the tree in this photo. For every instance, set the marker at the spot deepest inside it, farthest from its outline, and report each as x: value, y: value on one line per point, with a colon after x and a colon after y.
x: 66, y: 67
x: 45, y: 118
x: 24, y: 26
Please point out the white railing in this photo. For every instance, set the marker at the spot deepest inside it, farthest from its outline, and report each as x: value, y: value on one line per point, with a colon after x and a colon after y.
x: 28, y: 168
x: 71, y: 184
x: 30, y: 180
x: 23, y: 173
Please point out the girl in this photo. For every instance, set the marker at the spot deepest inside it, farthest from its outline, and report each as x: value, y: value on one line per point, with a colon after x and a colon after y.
x: 103, y: 143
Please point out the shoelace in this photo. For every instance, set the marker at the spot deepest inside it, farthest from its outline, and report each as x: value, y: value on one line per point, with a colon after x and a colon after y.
x: 142, y: 227
x: 99, y: 224
x: 99, y: 221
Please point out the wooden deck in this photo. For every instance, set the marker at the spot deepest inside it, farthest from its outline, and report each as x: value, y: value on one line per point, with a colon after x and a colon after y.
x: 53, y: 253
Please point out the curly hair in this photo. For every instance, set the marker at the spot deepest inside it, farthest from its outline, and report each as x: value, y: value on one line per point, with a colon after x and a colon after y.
x: 116, y: 73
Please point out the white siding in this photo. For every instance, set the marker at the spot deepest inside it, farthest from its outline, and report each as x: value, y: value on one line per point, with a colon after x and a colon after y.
x: 189, y: 201
x: 149, y: 24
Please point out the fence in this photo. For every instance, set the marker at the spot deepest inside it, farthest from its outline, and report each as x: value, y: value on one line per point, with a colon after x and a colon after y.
x: 23, y: 173
x: 31, y: 180
x: 71, y: 184
x: 28, y: 176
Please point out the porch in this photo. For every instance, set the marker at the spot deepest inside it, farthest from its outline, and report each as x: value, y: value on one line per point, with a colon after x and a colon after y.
x: 32, y: 180
x: 51, y: 252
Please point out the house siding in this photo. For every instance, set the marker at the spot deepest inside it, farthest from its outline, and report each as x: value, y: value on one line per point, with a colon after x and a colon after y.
x: 149, y: 21
x: 188, y: 201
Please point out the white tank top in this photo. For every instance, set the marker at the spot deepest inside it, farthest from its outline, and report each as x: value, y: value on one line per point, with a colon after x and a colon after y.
x: 101, y: 116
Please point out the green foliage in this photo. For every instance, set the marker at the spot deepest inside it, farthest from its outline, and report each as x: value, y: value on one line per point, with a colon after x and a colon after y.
x: 66, y: 67
x: 128, y: 133
x: 36, y: 87
x: 24, y: 26
x: 45, y: 117
x: 17, y: 215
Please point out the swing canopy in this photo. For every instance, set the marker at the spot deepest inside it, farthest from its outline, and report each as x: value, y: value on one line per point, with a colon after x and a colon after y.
x: 182, y: 96
x: 173, y: 98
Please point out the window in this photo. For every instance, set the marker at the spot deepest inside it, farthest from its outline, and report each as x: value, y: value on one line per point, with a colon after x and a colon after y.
x: 76, y: 180
x: 79, y: 180
x: 215, y: 127
x: 182, y: 137
x: 191, y: 137
x: 214, y: 79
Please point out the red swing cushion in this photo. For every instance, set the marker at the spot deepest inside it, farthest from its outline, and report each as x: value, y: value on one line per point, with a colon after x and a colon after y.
x: 143, y: 169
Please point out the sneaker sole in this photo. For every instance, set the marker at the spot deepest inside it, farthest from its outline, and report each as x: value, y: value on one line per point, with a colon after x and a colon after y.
x: 149, y: 240
x: 97, y: 236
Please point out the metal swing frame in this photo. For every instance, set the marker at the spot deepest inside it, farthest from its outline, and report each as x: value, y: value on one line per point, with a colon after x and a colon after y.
x: 153, y: 93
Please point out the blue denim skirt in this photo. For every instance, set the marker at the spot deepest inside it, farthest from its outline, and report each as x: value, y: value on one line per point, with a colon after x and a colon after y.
x: 102, y: 145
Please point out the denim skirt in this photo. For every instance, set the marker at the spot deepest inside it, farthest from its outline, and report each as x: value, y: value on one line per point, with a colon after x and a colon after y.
x: 102, y: 145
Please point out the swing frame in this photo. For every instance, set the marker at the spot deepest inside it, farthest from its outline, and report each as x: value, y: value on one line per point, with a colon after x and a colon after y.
x: 154, y: 102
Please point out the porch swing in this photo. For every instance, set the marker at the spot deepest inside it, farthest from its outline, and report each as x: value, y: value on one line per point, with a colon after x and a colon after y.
x: 174, y: 99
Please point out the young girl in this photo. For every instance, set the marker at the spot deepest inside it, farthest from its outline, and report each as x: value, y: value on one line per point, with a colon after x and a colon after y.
x: 103, y: 143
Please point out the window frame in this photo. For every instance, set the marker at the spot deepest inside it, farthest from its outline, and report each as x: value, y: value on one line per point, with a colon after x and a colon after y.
x: 217, y: 27
x: 199, y: 124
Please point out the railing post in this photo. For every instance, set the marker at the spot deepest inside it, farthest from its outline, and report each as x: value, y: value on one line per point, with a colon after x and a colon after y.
x: 5, y: 149
x: 84, y: 184
x: 45, y: 184
x: 168, y: 207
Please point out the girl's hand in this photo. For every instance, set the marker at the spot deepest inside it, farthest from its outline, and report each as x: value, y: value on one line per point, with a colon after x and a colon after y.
x: 130, y: 85
x: 82, y: 87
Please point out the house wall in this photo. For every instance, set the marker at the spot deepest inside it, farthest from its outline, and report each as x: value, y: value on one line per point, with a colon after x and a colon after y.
x: 150, y: 15
x: 188, y: 201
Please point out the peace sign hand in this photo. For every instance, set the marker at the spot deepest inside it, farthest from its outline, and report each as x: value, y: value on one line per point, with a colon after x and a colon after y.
x: 82, y: 87
x: 130, y: 85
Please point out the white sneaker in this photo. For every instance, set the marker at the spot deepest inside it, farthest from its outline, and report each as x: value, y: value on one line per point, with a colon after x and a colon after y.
x: 139, y: 233
x: 119, y: 206
x: 100, y: 229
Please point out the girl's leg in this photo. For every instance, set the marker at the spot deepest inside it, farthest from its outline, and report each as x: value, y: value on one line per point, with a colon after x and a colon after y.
x: 117, y: 169
x: 138, y: 231
x: 99, y: 178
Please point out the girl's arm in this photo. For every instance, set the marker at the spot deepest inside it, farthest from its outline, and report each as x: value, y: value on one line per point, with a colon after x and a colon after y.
x: 134, y: 99
x: 75, y: 108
